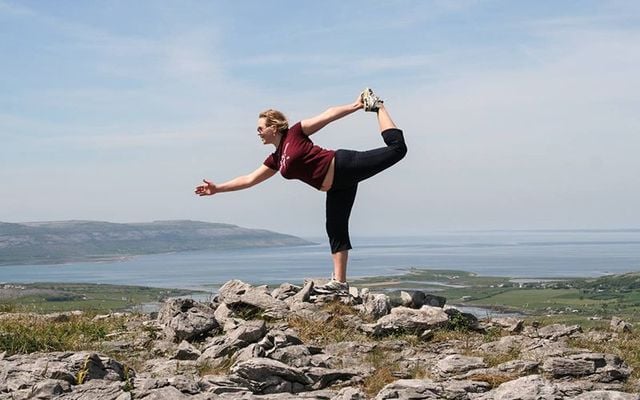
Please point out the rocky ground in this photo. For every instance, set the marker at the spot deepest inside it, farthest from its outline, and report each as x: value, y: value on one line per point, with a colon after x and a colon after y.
x: 306, y: 343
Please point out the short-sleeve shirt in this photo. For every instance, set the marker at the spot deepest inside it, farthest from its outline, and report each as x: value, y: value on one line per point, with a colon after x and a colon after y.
x: 298, y: 158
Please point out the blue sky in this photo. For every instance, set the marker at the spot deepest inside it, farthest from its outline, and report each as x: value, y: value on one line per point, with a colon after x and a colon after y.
x: 518, y: 115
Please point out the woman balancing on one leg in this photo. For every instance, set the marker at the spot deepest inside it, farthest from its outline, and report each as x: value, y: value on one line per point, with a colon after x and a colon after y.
x: 335, y: 172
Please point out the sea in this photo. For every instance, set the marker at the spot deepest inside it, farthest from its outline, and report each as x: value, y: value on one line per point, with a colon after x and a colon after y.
x: 517, y: 254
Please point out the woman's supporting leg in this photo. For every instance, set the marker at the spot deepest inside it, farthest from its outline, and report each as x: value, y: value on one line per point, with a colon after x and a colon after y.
x: 338, y: 208
x: 340, y: 265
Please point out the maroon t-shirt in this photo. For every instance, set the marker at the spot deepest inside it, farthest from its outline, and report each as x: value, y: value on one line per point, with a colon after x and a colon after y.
x: 298, y: 158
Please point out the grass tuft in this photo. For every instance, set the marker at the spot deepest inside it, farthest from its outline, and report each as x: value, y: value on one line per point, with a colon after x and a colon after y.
x: 221, y: 368
x: 384, y: 371
x: 25, y: 333
x: 332, y: 331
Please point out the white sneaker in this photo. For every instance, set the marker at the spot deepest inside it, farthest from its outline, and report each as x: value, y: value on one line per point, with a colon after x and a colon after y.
x: 336, y: 286
x: 370, y: 100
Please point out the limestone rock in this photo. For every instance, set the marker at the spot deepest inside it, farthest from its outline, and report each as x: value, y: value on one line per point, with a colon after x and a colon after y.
x: 285, y: 291
x: 303, y: 295
x: 410, y: 320
x: 415, y: 299
x: 457, y: 364
x: 606, y: 395
x: 620, y: 326
x: 556, y: 331
x: 601, y: 367
x: 532, y: 387
x: 186, y: 319
x: 240, y: 296
x: 376, y: 306
x: 510, y: 324
x: 407, y: 389
x: 187, y: 352
x: 263, y: 375
x: 350, y: 393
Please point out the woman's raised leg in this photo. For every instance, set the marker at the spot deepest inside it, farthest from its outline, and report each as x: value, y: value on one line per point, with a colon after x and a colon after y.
x: 384, y: 119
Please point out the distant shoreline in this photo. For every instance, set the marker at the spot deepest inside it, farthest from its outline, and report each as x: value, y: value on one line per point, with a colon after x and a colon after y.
x: 582, y: 298
x: 64, y: 242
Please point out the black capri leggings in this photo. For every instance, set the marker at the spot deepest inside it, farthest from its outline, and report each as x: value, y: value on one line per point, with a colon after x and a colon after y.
x: 352, y: 167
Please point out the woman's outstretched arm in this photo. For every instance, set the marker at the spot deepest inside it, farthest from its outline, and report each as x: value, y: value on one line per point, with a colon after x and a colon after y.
x: 313, y: 125
x: 261, y: 174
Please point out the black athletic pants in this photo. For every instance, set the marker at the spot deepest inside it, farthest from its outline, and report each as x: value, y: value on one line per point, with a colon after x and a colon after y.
x: 352, y: 167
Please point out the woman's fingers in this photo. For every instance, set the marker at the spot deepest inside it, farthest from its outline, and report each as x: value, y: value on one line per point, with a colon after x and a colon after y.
x: 207, y: 189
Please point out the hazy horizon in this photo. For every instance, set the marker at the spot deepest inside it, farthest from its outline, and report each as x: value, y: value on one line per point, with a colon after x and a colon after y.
x: 518, y: 116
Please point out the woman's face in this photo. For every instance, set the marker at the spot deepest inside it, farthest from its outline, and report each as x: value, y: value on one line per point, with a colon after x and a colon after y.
x: 267, y: 134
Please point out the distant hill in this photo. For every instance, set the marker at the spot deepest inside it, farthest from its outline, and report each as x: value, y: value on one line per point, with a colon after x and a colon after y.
x: 67, y: 241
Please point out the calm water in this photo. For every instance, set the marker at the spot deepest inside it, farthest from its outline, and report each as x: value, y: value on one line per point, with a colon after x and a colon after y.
x: 514, y: 254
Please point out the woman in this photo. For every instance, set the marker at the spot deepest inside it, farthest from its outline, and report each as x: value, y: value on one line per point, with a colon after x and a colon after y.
x: 335, y: 172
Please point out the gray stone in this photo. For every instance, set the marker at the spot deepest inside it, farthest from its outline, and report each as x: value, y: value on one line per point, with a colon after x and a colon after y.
x: 186, y: 319
x: 96, y: 390
x: 165, y: 393
x: 217, y: 385
x: 376, y: 306
x: 220, y: 347
x: 523, y: 367
x: 325, y: 377
x: 284, y: 291
x: 605, y: 368
x: 410, y: 320
x: 49, y: 388
x: 263, y: 375
x: 620, y: 326
x: 539, y: 349
x: 556, y: 331
x: 606, y: 395
x: 303, y: 295
x: 295, y: 356
x: 163, y: 367
x: 350, y: 393
x: 410, y: 389
x: 510, y: 324
x: 531, y: 387
x: 248, y: 332
x: 187, y: 352
x: 457, y: 364
x: 184, y: 384
x: 222, y: 314
x: 459, y: 389
x: 415, y: 299
x: 560, y: 367
x: 238, y: 295
x: 506, y: 344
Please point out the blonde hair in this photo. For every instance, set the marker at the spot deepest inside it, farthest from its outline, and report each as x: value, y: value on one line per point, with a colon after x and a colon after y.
x: 275, y: 118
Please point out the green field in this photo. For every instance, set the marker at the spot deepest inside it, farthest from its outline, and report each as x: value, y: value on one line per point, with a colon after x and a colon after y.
x: 579, y: 298
x: 55, y: 297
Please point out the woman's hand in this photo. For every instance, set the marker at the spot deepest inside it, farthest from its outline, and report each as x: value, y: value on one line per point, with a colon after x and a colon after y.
x: 209, y: 188
x: 358, y: 103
